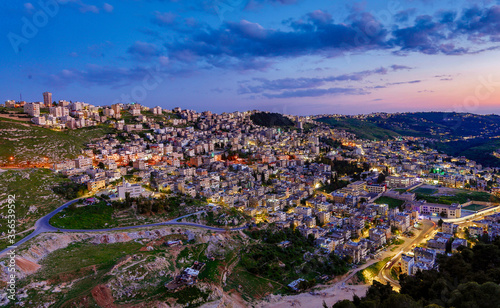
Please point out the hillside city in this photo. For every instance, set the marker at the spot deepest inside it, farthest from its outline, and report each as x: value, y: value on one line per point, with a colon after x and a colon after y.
x: 354, y: 198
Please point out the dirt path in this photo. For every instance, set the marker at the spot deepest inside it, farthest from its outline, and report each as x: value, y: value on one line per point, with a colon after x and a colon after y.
x: 103, y: 297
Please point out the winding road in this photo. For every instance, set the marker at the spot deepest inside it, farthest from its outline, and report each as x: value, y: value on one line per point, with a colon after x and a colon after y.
x: 43, y: 225
x: 385, y: 273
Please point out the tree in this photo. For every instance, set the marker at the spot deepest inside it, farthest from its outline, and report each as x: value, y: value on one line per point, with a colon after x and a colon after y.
x: 394, y: 229
x: 440, y: 222
x: 381, y: 178
x: 344, y: 304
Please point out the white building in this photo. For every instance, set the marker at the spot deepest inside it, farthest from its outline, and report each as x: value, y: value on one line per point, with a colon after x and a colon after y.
x: 407, y: 263
x: 135, y: 190
x: 32, y: 109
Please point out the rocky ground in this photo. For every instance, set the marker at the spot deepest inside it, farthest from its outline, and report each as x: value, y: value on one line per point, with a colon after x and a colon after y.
x: 135, y: 278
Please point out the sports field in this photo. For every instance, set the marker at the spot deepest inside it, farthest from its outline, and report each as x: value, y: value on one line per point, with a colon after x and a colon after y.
x: 425, y: 191
x: 474, y: 207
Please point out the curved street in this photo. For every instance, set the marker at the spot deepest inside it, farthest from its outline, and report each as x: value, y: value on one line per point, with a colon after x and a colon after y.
x: 43, y: 225
x: 385, y: 273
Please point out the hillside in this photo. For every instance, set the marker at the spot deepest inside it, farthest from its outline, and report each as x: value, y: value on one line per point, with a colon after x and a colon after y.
x: 35, y: 197
x: 271, y: 120
x: 419, y: 124
x: 21, y: 142
x: 458, y: 134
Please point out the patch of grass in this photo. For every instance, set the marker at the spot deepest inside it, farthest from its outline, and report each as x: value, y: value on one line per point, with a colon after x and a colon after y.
x: 80, y: 255
x: 360, y: 276
x: 267, y: 259
x: 461, y: 196
x: 249, y: 285
x: 474, y: 207
x: 28, y: 143
x: 189, y: 295
x: 190, y: 254
x: 87, y: 263
x: 372, y: 271
x: 33, y: 192
x: 211, y: 271
x: 97, y: 216
x: 361, y: 128
x: 394, y: 274
x: 398, y: 242
x: 425, y: 191
x: 391, y: 202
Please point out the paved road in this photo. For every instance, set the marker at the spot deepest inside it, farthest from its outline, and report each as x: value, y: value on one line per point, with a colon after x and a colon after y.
x: 385, y: 273
x: 43, y: 225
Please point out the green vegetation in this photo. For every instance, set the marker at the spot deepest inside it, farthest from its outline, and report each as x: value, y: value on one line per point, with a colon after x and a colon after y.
x: 478, y: 149
x: 91, y: 262
x: 474, y: 207
x: 469, y: 278
x: 391, y: 202
x: 250, y: 286
x: 267, y: 259
x: 29, y: 144
x: 334, y: 185
x: 189, y: 295
x: 438, y: 124
x: 169, y: 207
x: 34, y: 197
x: 70, y: 190
x: 97, y: 216
x: 226, y: 217
x: 398, y: 242
x: 343, y: 167
x: 271, y: 120
x: 461, y: 196
x: 360, y: 276
x: 361, y: 128
x: 81, y: 255
x: 121, y: 213
x: 425, y: 191
x: 372, y: 271
x: 190, y: 254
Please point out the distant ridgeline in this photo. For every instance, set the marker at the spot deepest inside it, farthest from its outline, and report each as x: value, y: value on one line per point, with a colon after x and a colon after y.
x: 458, y: 134
x: 271, y: 120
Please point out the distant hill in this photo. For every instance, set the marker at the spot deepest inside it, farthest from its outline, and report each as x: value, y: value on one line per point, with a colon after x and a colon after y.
x: 459, y: 134
x: 418, y: 124
x: 271, y: 120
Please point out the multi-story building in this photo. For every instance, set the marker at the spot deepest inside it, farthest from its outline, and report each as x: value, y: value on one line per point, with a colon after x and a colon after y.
x: 157, y: 110
x: 117, y: 109
x: 396, y: 181
x: 47, y: 99
x: 135, y: 190
x: 58, y: 111
x: 407, y: 263
x: 376, y: 188
x: 96, y: 185
x: 83, y: 162
x: 33, y: 109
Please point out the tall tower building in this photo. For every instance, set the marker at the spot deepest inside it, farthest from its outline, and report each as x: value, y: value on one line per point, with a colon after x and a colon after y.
x: 47, y: 99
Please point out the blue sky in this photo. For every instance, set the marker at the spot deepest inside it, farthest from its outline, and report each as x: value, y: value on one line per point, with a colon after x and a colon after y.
x: 289, y: 56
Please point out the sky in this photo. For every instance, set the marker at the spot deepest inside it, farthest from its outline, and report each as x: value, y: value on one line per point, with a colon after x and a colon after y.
x: 300, y: 57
